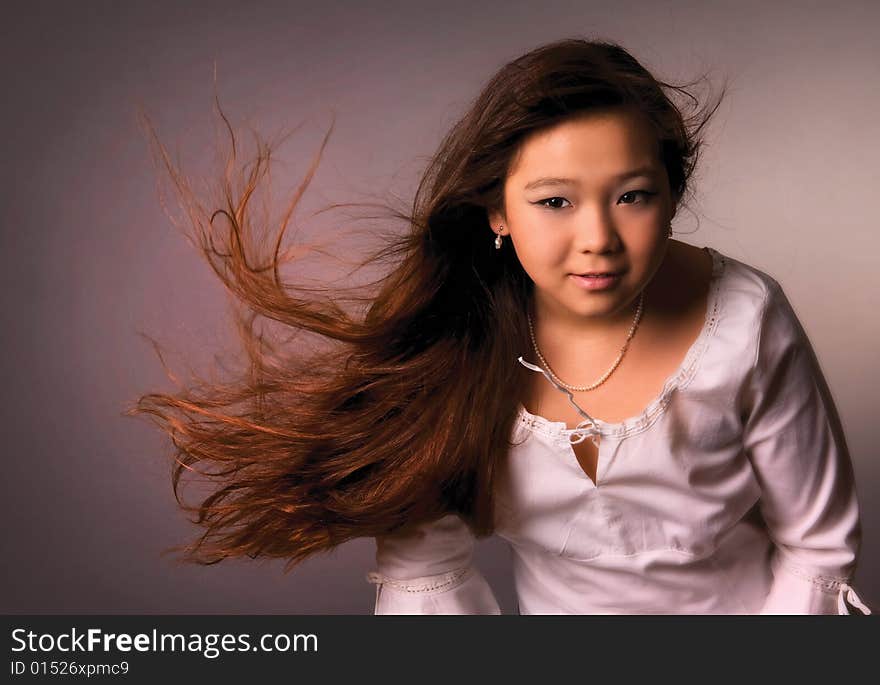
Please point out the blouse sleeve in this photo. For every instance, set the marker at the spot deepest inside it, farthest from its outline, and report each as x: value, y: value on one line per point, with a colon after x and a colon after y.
x: 430, y: 571
x: 797, y: 449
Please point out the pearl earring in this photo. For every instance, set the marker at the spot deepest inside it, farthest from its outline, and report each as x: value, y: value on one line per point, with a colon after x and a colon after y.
x: 498, y: 239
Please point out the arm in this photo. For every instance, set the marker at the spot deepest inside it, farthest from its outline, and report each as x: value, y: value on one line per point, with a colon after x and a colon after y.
x: 797, y: 449
x: 430, y: 571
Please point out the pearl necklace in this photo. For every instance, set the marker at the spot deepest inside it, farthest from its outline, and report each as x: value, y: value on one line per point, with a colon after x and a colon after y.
x: 585, y: 388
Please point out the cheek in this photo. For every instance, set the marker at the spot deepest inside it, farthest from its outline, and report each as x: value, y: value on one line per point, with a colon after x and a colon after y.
x: 538, y: 252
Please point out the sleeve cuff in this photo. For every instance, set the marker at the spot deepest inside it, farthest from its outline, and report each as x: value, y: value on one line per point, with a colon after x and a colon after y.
x: 794, y: 591
x: 462, y: 591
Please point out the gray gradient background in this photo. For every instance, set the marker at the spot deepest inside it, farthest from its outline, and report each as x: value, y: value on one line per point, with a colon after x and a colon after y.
x: 788, y: 184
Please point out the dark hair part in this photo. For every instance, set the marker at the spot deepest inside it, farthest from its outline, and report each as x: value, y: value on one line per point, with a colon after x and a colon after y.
x: 404, y: 410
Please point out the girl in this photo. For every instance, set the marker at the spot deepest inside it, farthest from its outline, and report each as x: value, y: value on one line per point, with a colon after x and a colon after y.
x: 644, y: 421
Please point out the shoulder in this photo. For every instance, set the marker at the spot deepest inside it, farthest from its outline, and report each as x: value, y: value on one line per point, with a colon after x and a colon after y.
x: 693, y: 269
x: 757, y: 304
x: 750, y: 298
x: 747, y: 285
x: 738, y: 292
x: 746, y: 311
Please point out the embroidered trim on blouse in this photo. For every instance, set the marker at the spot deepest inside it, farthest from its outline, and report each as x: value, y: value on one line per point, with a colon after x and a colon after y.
x: 829, y: 584
x: 444, y: 581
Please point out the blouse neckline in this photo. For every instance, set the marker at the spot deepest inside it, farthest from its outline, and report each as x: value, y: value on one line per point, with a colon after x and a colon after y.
x: 679, y: 378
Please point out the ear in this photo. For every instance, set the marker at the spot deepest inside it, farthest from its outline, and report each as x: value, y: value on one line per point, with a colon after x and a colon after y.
x: 496, y: 219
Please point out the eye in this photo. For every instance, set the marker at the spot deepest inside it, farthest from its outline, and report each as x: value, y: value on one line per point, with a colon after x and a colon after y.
x: 632, y: 195
x: 551, y: 199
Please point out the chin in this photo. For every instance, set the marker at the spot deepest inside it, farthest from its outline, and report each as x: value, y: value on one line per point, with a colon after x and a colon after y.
x: 603, y: 305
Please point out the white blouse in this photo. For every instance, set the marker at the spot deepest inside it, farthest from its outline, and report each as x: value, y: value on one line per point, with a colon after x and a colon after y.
x: 731, y: 493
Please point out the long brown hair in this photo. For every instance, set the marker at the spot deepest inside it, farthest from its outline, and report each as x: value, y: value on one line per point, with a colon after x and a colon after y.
x: 404, y: 409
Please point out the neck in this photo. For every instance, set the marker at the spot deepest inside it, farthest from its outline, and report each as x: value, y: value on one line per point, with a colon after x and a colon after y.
x: 553, y: 325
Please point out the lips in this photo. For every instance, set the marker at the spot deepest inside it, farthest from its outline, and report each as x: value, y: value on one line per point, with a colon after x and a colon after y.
x: 598, y: 274
x: 597, y: 282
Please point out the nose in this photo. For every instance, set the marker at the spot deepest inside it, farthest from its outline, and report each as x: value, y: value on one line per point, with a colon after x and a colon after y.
x: 595, y: 231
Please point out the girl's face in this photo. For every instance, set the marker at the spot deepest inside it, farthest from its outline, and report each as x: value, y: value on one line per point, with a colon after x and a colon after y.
x: 588, y: 195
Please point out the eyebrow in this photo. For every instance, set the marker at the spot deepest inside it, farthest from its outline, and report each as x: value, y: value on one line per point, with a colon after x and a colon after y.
x: 559, y: 180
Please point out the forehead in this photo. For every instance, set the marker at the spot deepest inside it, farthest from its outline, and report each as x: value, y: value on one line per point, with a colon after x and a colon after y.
x: 593, y: 143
